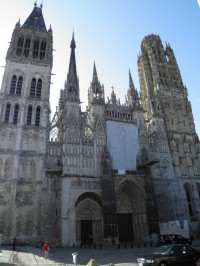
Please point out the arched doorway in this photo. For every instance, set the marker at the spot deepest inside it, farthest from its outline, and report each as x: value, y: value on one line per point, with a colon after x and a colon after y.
x: 131, y: 211
x: 89, y: 219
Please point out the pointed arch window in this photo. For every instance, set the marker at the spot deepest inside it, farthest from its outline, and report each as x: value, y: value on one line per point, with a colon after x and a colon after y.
x: 29, y: 115
x: 33, y: 87
x: 19, y: 86
x: 16, y: 114
x: 13, y: 84
x: 36, y: 88
x: 7, y: 113
x: 39, y: 88
x: 37, y: 116
x: 27, y: 47
x: 189, y: 200
x: 16, y: 85
x: 20, y: 46
x: 42, y: 50
x: 36, y: 48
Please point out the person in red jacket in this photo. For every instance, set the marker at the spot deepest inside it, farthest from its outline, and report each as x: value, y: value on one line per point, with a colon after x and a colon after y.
x: 46, y: 249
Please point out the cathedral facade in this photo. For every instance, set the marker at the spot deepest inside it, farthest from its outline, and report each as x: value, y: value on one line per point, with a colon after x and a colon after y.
x: 112, y: 173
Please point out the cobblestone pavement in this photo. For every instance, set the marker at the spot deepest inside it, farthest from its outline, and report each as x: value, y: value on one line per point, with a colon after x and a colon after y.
x: 123, y: 256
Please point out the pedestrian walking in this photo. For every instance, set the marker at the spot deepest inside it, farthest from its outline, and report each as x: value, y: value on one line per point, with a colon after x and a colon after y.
x: 46, y: 250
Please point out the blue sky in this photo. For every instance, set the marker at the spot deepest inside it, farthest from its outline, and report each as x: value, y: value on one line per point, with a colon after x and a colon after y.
x: 110, y: 33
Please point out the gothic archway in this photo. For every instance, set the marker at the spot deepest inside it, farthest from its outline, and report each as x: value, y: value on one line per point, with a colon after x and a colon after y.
x: 131, y: 211
x: 89, y: 219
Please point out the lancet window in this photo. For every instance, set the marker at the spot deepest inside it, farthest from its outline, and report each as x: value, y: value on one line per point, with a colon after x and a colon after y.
x: 16, y: 114
x: 36, y: 88
x: 16, y: 85
x: 29, y: 115
x: 39, y: 49
x: 37, y: 116
x: 189, y: 200
x: 7, y: 113
x: 20, y: 45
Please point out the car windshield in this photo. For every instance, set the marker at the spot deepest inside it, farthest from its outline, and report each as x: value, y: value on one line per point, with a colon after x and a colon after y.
x: 163, y: 250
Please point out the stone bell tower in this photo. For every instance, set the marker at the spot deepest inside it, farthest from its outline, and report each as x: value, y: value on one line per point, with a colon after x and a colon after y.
x: 24, y: 118
x: 170, y: 125
x: 151, y: 64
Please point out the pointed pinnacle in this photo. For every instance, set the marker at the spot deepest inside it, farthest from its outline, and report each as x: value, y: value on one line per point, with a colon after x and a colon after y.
x: 95, y: 77
x: 131, y: 84
x: 73, y: 43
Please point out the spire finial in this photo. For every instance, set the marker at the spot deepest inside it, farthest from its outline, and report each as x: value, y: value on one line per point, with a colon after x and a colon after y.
x: 41, y: 5
x: 73, y: 43
x: 94, y: 70
x: 35, y: 4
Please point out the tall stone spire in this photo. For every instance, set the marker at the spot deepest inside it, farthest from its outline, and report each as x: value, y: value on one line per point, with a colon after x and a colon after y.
x: 132, y: 99
x: 96, y: 90
x: 72, y: 84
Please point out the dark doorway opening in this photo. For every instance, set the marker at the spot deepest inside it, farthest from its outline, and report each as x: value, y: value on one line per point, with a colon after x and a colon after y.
x: 86, y: 232
x: 125, y: 227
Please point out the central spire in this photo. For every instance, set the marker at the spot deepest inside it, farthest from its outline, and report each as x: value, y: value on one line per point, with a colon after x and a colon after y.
x: 72, y: 64
x: 72, y: 85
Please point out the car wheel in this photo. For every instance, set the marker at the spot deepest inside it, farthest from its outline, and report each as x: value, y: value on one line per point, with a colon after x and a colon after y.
x: 163, y: 264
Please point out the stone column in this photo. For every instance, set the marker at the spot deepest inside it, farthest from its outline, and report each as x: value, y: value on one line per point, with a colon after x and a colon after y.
x: 64, y: 211
x: 72, y: 226
x: 68, y: 216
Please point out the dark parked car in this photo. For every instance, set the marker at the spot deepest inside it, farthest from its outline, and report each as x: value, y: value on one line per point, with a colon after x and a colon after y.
x: 173, y: 254
x: 172, y: 239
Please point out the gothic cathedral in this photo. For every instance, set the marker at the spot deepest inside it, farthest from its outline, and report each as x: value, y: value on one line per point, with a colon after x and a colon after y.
x: 112, y: 173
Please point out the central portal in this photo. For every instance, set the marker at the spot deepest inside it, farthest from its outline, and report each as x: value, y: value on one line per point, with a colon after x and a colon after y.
x: 125, y: 227
x: 86, y: 232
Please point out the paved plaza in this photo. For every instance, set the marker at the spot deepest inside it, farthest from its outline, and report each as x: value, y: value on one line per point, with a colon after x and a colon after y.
x: 123, y: 256
x: 26, y: 255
